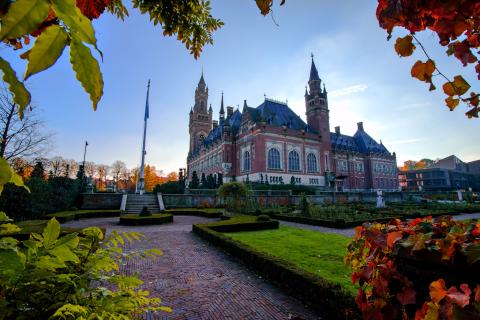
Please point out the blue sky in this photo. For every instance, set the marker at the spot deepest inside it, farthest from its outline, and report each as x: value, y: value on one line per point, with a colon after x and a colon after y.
x: 252, y: 56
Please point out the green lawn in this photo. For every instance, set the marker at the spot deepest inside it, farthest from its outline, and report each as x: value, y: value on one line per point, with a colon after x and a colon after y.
x: 319, y: 253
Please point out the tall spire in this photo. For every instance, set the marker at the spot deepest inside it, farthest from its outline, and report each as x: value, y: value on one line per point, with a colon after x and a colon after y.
x: 222, y: 110
x: 313, y: 71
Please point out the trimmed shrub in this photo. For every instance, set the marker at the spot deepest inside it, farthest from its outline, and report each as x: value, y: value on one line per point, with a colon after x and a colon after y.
x: 137, y: 219
x: 145, y: 212
x: 263, y: 217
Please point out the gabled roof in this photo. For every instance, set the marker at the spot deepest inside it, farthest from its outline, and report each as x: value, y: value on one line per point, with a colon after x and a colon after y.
x: 367, y: 144
x: 279, y: 114
x: 343, y: 142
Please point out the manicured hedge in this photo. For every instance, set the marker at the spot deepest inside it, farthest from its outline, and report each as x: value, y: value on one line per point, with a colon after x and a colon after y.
x: 329, y: 299
x: 241, y: 223
x: 36, y: 226
x: 66, y: 216
x: 338, y: 223
x: 207, y: 213
x: 137, y: 220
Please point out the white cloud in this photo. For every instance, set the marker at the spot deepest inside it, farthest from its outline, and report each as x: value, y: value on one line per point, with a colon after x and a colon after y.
x: 348, y: 90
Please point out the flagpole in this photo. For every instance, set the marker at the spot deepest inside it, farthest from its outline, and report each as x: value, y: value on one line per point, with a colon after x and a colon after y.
x: 83, y: 165
x: 141, y: 182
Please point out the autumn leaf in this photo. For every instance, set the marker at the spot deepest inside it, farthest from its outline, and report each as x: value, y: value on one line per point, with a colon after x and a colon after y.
x: 23, y: 17
x: 393, y: 237
x: 452, y: 103
x: 21, y: 96
x: 456, y: 87
x: 423, y: 71
x: 438, y: 291
x: 404, y: 46
x: 264, y: 6
x: 92, y: 9
x: 477, y: 293
x: 460, y: 298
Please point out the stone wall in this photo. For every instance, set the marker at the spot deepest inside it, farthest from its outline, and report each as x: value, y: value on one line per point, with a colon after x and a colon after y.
x: 96, y: 201
x: 113, y: 201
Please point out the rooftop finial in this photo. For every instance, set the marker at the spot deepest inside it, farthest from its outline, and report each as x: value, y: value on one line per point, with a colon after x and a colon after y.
x: 265, y: 96
x: 222, y: 111
x: 311, y: 55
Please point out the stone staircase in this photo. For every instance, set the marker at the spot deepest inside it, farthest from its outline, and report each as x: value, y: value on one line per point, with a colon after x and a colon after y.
x: 136, y: 202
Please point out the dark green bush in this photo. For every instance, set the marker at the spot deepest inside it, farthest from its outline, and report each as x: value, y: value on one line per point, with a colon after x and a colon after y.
x: 170, y: 187
x: 46, y: 196
x: 263, y: 217
x: 145, y: 212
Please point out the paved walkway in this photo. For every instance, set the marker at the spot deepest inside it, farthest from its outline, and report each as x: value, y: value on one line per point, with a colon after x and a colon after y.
x: 199, y: 281
x: 350, y: 232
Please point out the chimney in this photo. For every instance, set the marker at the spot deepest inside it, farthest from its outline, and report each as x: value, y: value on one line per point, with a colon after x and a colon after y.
x: 337, y: 129
x: 360, y: 126
x: 215, y: 124
x: 229, y: 112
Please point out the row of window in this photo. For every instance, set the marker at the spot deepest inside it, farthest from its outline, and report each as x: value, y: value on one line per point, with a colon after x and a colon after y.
x: 207, y: 163
x: 385, y: 168
x: 274, y: 161
x: 342, y: 166
x: 386, y: 183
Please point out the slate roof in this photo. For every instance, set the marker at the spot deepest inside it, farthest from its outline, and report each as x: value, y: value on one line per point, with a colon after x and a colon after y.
x: 360, y: 142
x: 313, y: 72
x: 279, y: 114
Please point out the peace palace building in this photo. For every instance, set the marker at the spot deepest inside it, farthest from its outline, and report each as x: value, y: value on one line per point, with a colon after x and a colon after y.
x: 272, y: 143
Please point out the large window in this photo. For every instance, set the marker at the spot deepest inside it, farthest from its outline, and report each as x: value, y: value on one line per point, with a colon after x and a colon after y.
x: 246, y: 161
x: 311, y: 163
x: 273, y: 159
x: 293, y: 161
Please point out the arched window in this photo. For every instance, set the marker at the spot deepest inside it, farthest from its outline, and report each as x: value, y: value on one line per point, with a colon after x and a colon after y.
x: 311, y: 163
x: 293, y: 161
x: 273, y: 159
x: 246, y: 161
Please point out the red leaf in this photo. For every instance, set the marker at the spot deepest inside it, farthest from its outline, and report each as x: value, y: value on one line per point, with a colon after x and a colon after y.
x: 92, y: 9
x: 477, y: 293
x: 460, y: 298
x: 393, y: 237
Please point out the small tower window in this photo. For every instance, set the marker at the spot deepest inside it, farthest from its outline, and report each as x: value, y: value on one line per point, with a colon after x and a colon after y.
x: 273, y: 159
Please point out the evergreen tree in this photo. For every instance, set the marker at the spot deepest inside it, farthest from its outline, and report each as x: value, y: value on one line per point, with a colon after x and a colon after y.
x: 219, y: 179
x: 195, y: 182
x: 211, y: 182
x: 204, y: 180
x: 38, y: 170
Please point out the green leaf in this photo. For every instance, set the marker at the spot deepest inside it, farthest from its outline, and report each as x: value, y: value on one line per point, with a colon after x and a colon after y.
x: 87, y: 70
x: 18, y: 181
x: 4, y: 217
x: 49, y: 263
x: 21, y: 96
x: 9, y: 228
x: 51, y: 233
x: 23, y: 17
x: 6, y: 171
x: 63, y: 253
x: 70, y: 240
x: 78, y: 25
x: 473, y: 253
x: 46, y: 50
x: 11, y: 263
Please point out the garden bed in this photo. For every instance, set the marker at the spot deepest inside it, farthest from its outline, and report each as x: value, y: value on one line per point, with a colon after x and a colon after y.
x: 66, y: 216
x: 328, y: 298
x: 138, y: 220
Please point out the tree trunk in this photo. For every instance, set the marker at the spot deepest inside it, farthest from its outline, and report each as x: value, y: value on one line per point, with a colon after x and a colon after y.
x: 3, y: 143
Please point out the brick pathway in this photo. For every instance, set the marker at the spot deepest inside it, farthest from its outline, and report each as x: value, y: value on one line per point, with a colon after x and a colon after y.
x: 199, y: 281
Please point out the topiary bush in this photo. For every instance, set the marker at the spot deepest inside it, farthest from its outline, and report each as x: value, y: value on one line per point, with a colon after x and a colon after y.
x: 304, y: 206
x: 145, y: 212
x: 263, y: 217
x: 233, y: 193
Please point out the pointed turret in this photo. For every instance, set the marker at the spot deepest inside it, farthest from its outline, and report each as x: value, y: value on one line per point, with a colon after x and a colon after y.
x: 222, y: 113
x: 210, y: 110
x: 306, y: 91
x: 313, y: 72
